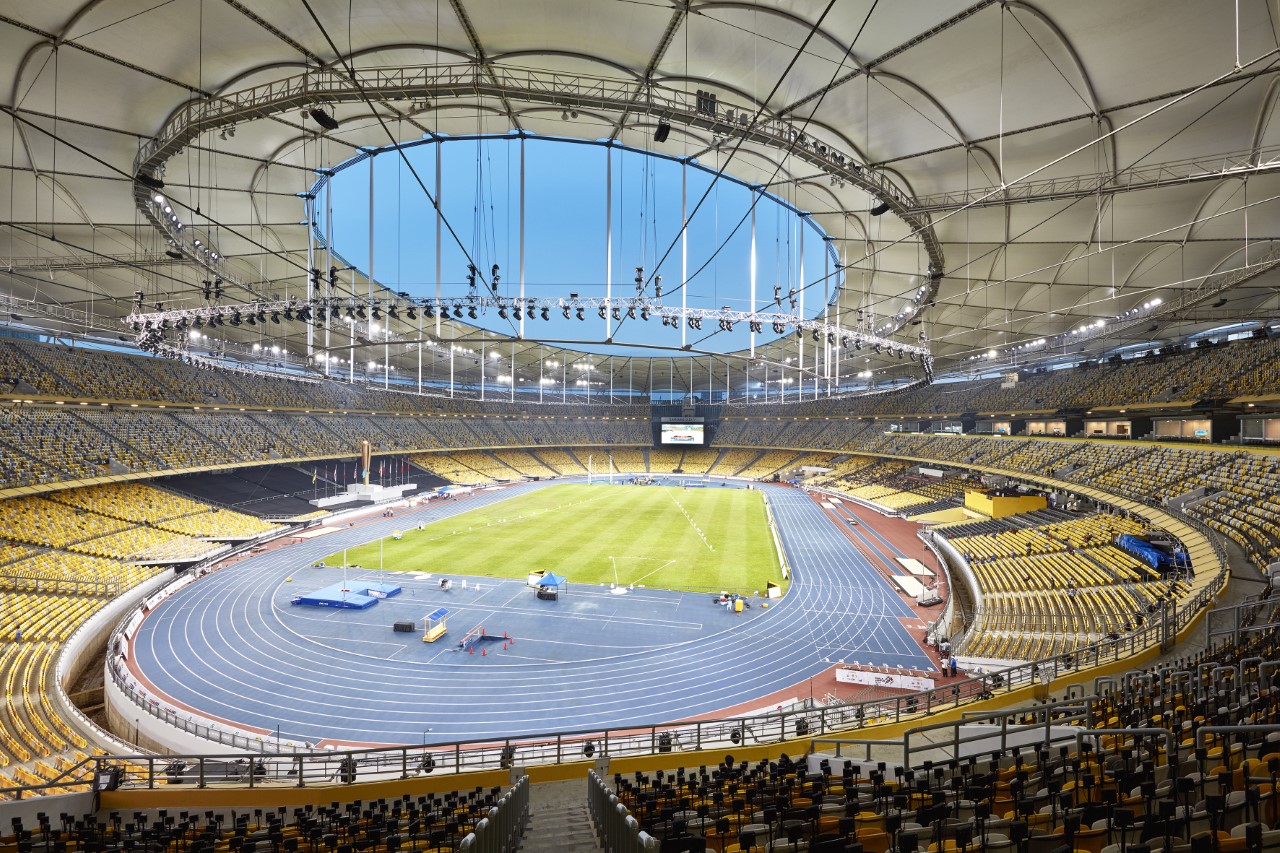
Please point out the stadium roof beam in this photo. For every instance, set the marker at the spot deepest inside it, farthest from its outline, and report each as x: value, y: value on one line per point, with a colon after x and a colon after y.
x: 79, y: 262
x: 74, y: 320
x: 1158, y: 309
x: 942, y: 26
x: 1241, y: 164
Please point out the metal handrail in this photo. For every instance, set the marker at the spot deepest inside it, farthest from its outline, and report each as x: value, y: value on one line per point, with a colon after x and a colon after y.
x: 617, y: 830
x: 499, y: 831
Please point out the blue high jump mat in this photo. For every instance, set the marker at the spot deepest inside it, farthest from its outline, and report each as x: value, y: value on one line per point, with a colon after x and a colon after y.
x: 357, y: 595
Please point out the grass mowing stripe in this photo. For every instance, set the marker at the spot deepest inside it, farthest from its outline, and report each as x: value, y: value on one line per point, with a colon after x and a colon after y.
x: 574, y: 529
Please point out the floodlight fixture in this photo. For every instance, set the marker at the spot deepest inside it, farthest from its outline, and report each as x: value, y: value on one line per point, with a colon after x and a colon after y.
x: 323, y: 119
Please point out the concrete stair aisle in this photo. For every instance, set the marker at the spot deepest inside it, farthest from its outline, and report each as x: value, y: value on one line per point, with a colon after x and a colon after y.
x: 558, y: 819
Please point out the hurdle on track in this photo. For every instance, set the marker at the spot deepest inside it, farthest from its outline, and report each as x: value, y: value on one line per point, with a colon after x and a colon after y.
x: 477, y: 636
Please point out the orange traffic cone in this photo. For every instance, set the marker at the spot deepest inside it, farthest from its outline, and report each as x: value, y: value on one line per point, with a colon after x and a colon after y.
x: 473, y: 650
x: 484, y: 653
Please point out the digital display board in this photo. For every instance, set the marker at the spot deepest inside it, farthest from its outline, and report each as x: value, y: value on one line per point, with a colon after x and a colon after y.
x: 682, y: 434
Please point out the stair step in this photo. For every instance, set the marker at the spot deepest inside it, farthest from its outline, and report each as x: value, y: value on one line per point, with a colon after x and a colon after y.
x: 560, y: 830
x: 559, y: 821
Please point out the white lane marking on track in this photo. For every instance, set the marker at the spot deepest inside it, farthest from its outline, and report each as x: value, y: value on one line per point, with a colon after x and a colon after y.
x: 828, y: 592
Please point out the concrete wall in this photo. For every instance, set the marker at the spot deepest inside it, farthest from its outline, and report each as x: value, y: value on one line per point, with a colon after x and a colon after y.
x: 83, y: 647
x: 28, y: 809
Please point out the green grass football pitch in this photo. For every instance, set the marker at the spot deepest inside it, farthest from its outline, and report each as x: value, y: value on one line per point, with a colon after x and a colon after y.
x: 656, y: 536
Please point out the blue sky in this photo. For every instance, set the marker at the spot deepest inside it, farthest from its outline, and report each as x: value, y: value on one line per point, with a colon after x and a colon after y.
x: 565, y: 233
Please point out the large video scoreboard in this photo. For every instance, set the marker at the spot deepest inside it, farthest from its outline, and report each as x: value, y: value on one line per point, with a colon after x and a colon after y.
x: 682, y: 434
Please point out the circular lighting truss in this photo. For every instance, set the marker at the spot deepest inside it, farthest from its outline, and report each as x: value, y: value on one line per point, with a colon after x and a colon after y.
x: 356, y: 313
x: 317, y: 89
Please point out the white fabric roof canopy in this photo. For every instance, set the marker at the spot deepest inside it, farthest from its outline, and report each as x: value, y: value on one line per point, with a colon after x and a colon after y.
x: 1135, y: 142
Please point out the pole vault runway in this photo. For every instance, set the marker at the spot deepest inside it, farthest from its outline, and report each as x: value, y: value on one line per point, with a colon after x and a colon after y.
x: 231, y: 647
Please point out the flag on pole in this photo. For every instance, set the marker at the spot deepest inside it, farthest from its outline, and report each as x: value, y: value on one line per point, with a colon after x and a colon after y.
x: 313, y: 476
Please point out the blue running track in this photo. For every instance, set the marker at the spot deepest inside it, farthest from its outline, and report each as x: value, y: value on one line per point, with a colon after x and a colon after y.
x: 232, y: 647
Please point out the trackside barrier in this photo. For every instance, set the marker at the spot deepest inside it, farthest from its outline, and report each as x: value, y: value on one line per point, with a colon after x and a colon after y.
x: 500, y: 830
x: 777, y: 540
x: 617, y: 830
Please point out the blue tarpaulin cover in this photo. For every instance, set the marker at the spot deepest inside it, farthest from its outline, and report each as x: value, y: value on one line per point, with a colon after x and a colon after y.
x: 1144, y: 551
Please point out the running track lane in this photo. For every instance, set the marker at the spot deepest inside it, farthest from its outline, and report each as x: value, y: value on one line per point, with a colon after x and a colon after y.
x: 233, y: 648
